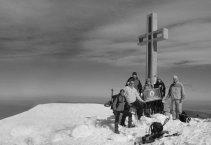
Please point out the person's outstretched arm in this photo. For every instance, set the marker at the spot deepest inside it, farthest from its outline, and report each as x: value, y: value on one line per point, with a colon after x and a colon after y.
x: 138, y: 97
x: 169, y: 94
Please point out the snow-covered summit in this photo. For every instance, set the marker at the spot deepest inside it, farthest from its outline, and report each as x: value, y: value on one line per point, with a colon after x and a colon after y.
x: 91, y: 124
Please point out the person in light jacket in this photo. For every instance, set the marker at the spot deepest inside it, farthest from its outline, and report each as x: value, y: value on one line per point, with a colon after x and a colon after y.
x: 177, y: 95
x: 133, y: 98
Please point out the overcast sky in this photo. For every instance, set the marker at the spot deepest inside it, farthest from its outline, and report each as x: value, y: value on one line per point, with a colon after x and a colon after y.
x: 86, y: 47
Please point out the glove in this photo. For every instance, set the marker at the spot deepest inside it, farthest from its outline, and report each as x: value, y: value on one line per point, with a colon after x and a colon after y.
x: 115, y: 112
x: 142, y: 102
x: 163, y: 100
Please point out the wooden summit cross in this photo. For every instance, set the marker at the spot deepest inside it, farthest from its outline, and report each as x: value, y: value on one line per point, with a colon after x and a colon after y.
x: 150, y: 39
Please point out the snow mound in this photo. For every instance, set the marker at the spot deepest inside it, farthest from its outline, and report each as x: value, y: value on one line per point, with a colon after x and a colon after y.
x: 82, y: 131
x: 93, y: 124
x: 23, y: 131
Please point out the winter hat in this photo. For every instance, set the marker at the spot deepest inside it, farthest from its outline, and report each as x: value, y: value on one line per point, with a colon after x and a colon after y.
x: 122, y: 90
x: 132, y: 80
x: 134, y: 73
x: 175, y: 78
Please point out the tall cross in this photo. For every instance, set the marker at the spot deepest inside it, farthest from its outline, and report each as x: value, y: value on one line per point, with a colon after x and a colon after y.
x: 150, y: 39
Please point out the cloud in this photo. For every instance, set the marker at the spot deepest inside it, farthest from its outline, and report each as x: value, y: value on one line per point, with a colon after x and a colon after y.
x: 56, y: 28
x: 188, y: 23
x: 105, y: 30
x: 40, y: 27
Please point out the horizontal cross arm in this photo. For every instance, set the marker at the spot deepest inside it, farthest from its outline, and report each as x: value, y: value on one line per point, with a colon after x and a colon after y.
x: 142, y: 39
x: 161, y: 34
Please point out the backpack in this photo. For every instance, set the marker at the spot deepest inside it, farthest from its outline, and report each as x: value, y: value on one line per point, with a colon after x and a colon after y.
x: 183, y: 117
x: 111, y: 102
x: 156, y: 127
x: 113, y: 99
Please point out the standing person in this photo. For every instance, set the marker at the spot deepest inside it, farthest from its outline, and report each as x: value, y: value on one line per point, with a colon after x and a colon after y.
x: 159, y: 104
x: 148, y: 85
x: 118, y: 108
x: 133, y: 98
x: 177, y: 95
x: 137, y: 82
x: 160, y: 84
x: 149, y: 106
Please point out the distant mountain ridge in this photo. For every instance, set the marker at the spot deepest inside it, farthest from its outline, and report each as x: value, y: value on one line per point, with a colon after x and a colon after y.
x: 19, y: 105
x: 198, y: 114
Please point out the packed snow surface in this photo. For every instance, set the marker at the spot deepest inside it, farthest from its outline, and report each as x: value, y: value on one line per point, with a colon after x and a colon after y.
x: 92, y: 124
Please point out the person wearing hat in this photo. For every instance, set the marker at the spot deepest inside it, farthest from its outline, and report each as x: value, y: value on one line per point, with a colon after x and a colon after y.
x: 177, y: 95
x: 119, y: 107
x: 162, y: 88
x: 137, y: 82
x: 160, y: 84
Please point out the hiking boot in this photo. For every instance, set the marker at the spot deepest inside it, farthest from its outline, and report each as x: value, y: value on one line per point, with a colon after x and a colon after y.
x: 117, y: 132
x: 122, y: 124
x: 131, y: 126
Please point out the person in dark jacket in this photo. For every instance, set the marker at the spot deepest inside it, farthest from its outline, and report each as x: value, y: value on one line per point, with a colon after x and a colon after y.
x: 159, y: 107
x: 113, y: 98
x: 159, y: 84
x: 137, y: 83
x: 119, y: 108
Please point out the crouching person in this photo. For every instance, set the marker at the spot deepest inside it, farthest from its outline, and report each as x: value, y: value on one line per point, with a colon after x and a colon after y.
x: 118, y: 108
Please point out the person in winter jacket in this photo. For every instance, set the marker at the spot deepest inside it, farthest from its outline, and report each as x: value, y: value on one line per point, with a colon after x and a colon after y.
x: 159, y: 84
x: 137, y: 83
x: 148, y: 85
x: 113, y: 98
x: 159, y: 107
x: 177, y: 95
x: 119, y: 106
x: 133, y: 98
x: 148, y: 107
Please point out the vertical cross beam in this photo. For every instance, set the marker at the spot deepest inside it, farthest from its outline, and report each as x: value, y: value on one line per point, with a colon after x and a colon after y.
x: 151, y: 49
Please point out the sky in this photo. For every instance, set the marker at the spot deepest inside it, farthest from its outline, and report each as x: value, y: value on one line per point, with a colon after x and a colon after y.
x: 51, y: 48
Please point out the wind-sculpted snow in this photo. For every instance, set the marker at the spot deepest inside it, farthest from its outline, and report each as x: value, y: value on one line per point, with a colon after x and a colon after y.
x: 92, y: 124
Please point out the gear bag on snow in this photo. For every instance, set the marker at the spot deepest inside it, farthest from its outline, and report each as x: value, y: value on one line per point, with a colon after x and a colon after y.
x: 156, y: 129
x: 184, y: 117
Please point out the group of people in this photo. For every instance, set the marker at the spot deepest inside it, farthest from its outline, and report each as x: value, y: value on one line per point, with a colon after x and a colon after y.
x: 130, y: 98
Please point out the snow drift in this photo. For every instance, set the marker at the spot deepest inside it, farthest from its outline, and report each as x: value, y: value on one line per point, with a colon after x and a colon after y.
x: 92, y: 124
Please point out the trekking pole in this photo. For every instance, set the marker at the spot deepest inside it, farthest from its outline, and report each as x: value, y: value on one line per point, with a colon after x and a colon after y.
x: 112, y: 92
x: 166, y: 120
